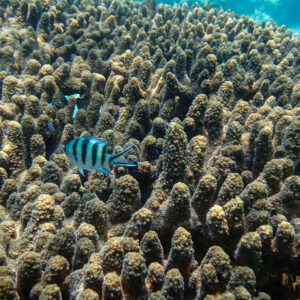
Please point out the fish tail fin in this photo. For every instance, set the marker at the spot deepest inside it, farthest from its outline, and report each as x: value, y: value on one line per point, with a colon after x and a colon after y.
x: 119, y: 159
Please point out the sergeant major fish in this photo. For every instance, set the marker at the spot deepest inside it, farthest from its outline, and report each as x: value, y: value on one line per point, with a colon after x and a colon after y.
x: 90, y: 153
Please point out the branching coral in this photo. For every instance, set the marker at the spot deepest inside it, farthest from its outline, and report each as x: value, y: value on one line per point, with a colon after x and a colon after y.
x: 211, y: 102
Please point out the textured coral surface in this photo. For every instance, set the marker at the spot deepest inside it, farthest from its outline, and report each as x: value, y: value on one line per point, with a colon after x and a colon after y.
x: 211, y: 102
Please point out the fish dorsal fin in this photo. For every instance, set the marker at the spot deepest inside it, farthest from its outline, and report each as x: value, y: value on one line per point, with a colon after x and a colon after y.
x: 97, y: 140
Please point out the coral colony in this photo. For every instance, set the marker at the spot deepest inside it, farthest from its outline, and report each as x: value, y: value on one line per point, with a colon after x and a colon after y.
x: 211, y: 102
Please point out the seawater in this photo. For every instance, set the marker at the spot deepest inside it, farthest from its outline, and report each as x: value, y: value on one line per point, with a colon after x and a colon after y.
x: 283, y: 12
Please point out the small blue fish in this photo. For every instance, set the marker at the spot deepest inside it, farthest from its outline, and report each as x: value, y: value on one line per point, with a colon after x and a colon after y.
x: 65, y: 99
x: 76, y: 96
x: 50, y: 125
x: 90, y: 153
x: 62, y: 97
x: 50, y: 141
x: 75, y: 111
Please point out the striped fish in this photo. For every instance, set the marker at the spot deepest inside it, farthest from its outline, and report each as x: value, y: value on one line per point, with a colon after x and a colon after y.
x: 90, y: 153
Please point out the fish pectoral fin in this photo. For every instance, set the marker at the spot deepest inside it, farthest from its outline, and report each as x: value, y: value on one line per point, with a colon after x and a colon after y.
x: 104, y: 171
x: 81, y: 171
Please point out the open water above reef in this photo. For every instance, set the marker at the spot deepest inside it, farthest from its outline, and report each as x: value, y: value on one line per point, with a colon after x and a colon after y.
x: 283, y: 12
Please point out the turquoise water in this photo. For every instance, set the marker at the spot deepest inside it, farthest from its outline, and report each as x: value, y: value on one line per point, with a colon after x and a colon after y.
x: 283, y: 12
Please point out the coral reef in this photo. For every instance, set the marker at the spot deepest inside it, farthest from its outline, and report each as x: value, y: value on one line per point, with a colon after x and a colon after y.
x: 211, y: 102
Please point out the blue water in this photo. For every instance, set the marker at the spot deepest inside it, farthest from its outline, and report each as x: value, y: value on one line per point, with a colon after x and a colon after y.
x: 283, y: 12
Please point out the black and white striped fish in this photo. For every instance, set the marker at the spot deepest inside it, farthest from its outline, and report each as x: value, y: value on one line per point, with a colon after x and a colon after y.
x: 90, y: 153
